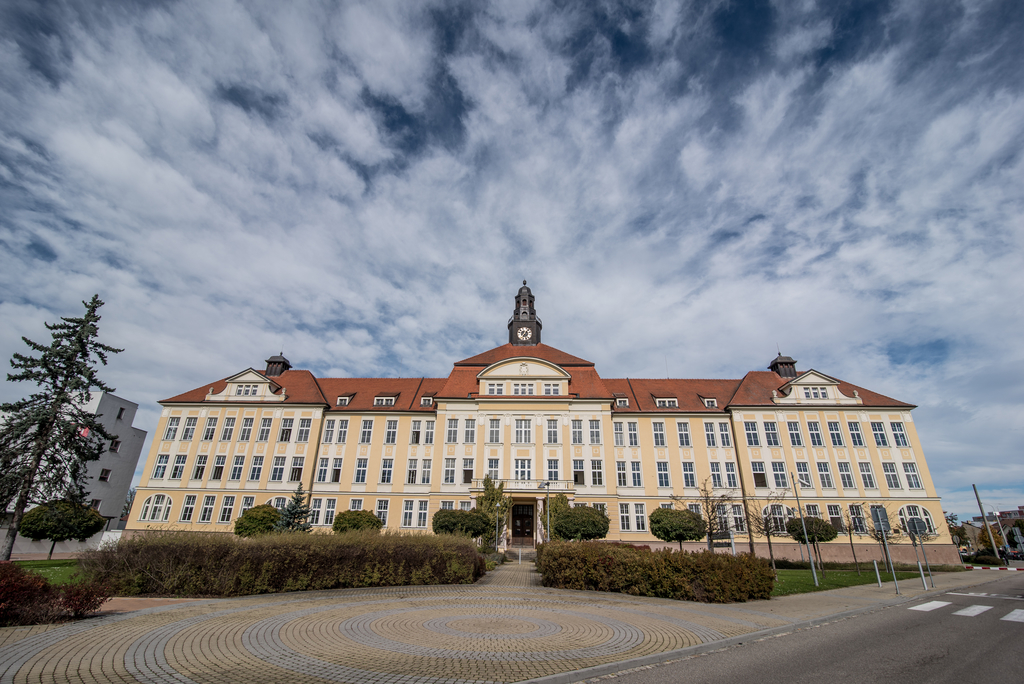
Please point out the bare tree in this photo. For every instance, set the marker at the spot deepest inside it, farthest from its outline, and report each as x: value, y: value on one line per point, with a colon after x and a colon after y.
x: 715, y: 509
x: 854, y: 523
x: 768, y: 521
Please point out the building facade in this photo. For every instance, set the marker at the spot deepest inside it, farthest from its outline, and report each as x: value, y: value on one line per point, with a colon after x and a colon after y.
x: 541, y: 421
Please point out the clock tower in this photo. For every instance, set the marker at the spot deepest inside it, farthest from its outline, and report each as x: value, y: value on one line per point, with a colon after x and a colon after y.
x: 524, y: 326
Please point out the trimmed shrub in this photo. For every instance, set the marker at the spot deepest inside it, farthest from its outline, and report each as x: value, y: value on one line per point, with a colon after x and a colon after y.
x: 471, y: 523
x: 356, y: 520
x: 28, y: 599
x: 196, y: 564
x: 702, y: 576
x: 257, y: 520
x: 580, y: 523
x: 986, y: 560
x: 671, y: 525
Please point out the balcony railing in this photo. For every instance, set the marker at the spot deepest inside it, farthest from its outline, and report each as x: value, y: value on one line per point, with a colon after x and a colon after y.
x: 532, y: 486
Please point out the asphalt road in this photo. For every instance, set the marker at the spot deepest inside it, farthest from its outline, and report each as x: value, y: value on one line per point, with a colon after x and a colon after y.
x: 907, y: 643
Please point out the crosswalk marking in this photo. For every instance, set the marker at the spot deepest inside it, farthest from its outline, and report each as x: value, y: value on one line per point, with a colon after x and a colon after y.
x: 972, y: 611
x: 931, y: 605
x: 1014, y: 616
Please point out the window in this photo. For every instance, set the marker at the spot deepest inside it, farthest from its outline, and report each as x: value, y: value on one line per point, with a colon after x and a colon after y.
x: 794, y: 434
x: 878, y: 430
x: 277, y: 469
x: 667, y: 403
x: 360, y: 477
x: 425, y: 471
x: 523, y: 431
x: 867, y: 476
x: 553, y: 469
x: 382, y: 511
x: 227, y: 506
x: 305, y: 424
x: 857, y: 519
x: 237, y: 467
x: 355, y: 505
x: 256, y: 469
x: 105, y: 475
x: 336, y: 470
x: 247, y: 503
x: 206, y: 513
x: 779, y: 471
x: 366, y: 433
x: 210, y: 431
x: 684, y: 433
x: 899, y: 435
x: 552, y: 433
x: 228, y: 431
x: 171, y: 432
x: 846, y: 475
x: 803, y: 474
x: 595, y: 432
x: 522, y: 388
x: 601, y: 507
x: 447, y: 505
x: 913, y: 481
x: 597, y: 473
x: 663, y: 474
x: 635, y: 471
x: 246, y: 390
x: 115, y: 445
x: 825, y: 475
x: 750, y: 428
x: 495, y: 388
x: 892, y: 478
x: 407, y: 511
x: 467, y: 471
x: 695, y: 509
x: 551, y: 388
x: 410, y: 471
x: 620, y: 473
x: 160, y: 470
x: 296, y: 472
x: 711, y: 403
x: 161, y: 511
x: 659, y: 434
x: 190, y: 429
x: 523, y: 470
x: 321, y: 469
x: 835, y: 433
x: 285, y: 434
x: 449, y: 471
x: 343, y: 401
x: 723, y: 432
x: 383, y: 401
x: 330, y: 507
x: 760, y: 477
x: 492, y: 468
x: 905, y: 514
x: 689, y: 476
x: 421, y: 514
x: 120, y: 413
x: 179, y: 466
x: 634, y: 437
x: 716, y: 475
x: 813, y: 511
x: 814, y: 430
x: 328, y: 431
x: 856, y: 438
x: 709, y: 434
x: 622, y: 402
x: 188, y: 508
x: 470, y: 431
x: 771, y: 433
x: 577, y: 432
x: 342, y: 431
x: 618, y: 434
x: 730, y: 476
x: 777, y: 517
x: 426, y: 401
x: 452, y: 436
x: 835, y: 516
x: 264, y: 433
x: 246, y: 432
x: 391, y: 432
x: 428, y: 432
x: 315, y: 509
x: 494, y: 431
x: 414, y: 432
x: 641, y: 517
x: 624, y: 517
x: 278, y: 502
x: 465, y: 505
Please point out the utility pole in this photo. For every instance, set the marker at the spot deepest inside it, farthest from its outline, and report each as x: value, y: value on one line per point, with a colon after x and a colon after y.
x: 981, y: 508
x: 804, y: 525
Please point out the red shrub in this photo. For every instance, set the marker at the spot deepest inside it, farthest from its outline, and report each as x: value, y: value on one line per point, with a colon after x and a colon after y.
x: 84, y: 598
x: 22, y: 594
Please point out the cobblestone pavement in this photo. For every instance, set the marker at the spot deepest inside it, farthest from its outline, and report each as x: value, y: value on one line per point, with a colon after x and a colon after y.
x: 505, y: 628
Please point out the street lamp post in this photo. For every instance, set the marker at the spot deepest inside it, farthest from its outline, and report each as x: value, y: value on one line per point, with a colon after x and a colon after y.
x: 1002, y: 532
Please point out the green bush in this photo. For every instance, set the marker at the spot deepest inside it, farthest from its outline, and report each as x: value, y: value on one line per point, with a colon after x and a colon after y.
x: 580, y: 523
x: 671, y: 525
x: 986, y: 560
x: 472, y: 523
x: 702, y: 576
x: 356, y: 520
x: 196, y: 564
x: 257, y: 520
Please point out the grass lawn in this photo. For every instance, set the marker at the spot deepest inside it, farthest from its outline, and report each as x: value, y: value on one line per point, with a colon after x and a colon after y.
x: 56, y: 571
x: 801, y: 581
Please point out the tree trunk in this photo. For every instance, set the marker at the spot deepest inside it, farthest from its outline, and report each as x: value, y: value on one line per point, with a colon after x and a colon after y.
x: 771, y: 554
x: 853, y: 551
x: 50, y: 555
x: 27, y: 480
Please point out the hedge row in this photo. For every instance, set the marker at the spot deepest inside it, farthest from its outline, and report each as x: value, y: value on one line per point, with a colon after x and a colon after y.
x: 29, y: 599
x: 196, y: 564
x: 701, y: 576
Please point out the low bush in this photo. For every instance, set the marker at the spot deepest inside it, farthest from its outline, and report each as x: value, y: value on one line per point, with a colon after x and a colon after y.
x: 195, y: 564
x: 348, y: 521
x: 701, y: 576
x: 986, y: 560
x: 257, y: 520
x: 28, y: 599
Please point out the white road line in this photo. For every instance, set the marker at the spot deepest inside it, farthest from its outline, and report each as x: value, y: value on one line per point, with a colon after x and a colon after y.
x: 1014, y: 616
x: 981, y: 595
x: 973, y: 611
x: 931, y: 605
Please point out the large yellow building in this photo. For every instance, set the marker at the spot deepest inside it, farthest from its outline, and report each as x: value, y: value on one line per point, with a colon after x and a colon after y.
x: 534, y: 417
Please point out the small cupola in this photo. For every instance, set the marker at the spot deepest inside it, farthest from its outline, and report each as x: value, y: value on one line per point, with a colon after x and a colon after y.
x: 276, y: 365
x: 783, y: 366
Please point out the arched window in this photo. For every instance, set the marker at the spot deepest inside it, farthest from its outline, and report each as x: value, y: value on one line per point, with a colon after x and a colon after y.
x: 156, y: 508
x: 779, y: 516
x: 913, y: 511
x: 278, y: 502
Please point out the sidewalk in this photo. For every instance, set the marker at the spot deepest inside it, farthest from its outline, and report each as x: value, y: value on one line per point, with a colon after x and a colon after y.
x: 505, y: 628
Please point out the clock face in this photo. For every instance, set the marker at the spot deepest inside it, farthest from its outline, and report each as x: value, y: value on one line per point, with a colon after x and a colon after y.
x: 524, y: 333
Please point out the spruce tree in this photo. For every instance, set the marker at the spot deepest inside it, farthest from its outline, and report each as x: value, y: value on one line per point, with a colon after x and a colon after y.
x: 47, y: 440
x: 295, y: 516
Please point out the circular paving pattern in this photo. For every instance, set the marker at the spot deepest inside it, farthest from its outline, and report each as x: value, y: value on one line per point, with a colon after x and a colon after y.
x: 401, y: 635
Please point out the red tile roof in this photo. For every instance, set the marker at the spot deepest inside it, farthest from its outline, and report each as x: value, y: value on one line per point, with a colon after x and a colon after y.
x: 756, y: 390
x: 690, y: 394
x: 364, y: 390
x: 511, y: 351
x: 299, y: 386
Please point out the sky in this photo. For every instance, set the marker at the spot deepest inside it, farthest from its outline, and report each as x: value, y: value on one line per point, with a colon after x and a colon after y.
x: 688, y: 188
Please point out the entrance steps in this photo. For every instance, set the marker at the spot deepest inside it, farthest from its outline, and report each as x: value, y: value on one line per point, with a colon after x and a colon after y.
x: 527, y: 553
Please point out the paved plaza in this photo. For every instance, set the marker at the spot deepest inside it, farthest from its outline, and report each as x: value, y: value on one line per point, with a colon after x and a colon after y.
x: 505, y: 628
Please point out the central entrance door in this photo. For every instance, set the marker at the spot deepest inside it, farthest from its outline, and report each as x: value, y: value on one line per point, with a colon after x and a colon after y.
x: 522, y: 524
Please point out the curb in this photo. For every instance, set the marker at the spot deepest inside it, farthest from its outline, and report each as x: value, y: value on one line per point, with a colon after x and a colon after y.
x: 992, y: 567
x: 679, y: 654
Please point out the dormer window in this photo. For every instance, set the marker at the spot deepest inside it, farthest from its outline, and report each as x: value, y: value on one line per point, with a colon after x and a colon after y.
x: 384, y: 401
x: 343, y: 401
x: 495, y: 388
x: 622, y: 402
x: 667, y: 403
x: 522, y: 388
x: 711, y: 403
x: 551, y: 388
x: 815, y: 393
x: 427, y: 401
x: 246, y: 390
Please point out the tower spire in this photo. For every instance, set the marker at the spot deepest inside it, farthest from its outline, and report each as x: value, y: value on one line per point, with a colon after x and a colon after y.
x: 524, y: 327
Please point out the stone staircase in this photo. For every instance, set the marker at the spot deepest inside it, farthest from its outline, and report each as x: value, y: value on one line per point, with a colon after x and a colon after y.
x: 528, y: 553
